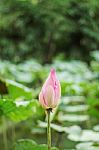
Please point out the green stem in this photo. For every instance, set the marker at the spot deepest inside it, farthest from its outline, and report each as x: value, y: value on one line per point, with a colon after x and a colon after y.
x: 5, y: 140
x: 13, y: 133
x: 48, y: 130
x: 4, y: 133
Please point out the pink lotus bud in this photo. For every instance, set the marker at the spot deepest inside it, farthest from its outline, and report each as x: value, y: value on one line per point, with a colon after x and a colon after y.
x: 50, y: 92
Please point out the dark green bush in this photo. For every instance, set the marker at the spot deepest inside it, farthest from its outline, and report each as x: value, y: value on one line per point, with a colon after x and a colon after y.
x: 44, y: 28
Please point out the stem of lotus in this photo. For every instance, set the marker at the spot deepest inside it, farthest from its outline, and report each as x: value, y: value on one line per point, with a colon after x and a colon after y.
x: 48, y: 129
x: 4, y: 133
x: 5, y: 141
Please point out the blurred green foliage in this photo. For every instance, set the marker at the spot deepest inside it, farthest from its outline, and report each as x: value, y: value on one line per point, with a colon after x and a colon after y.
x: 30, y: 145
x: 76, y: 118
x: 44, y: 28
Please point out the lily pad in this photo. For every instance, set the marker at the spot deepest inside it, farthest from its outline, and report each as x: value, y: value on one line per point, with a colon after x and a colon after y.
x: 72, y: 117
x: 96, y: 127
x: 75, y: 108
x: 87, y: 146
x: 18, y: 111
x: 85, y: 135
x: 27, y: 144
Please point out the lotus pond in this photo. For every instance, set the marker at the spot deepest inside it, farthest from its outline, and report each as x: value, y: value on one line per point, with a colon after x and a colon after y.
x: 75, y: 121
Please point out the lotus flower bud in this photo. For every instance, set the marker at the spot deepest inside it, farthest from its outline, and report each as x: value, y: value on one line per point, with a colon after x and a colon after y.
x: 51, y: 91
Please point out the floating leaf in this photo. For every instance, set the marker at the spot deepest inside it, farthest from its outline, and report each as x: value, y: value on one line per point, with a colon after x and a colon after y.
x: 96, y: 127
x: 87, y: 146
x: 69, y: 99
x: 17, y: 90
x: 53, y: 126
x: 75, y: 108
x: 26, y: 144
x: 72, y: 129
x: 72, y: 117
x: 85, y: 135
x: 18, y: 111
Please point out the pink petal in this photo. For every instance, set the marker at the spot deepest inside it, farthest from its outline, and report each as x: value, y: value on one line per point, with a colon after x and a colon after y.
x: 56, y: 84
x: 49, y: 96
x: 41, y: 100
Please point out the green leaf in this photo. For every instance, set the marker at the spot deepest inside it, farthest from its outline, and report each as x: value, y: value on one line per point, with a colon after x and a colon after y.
x: 26, y: 144
x: 17, y: 90
x: 20, y: 110
x: 93, y: 106
x: 72, y: 117
x: 84, y: 135
x: 96, y: 128
x: 53, y: 126
x: 87, y: 146
x: 77, y: 108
